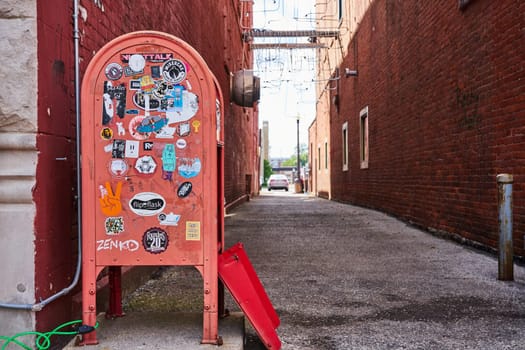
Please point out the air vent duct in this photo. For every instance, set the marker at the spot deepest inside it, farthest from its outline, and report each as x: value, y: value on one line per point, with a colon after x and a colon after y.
x: 246, y: 88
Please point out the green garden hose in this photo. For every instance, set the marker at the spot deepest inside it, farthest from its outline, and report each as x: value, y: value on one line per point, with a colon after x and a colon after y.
x: 43, y: 340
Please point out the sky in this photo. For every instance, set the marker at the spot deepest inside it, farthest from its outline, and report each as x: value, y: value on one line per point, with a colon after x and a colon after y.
x: 287, y: 75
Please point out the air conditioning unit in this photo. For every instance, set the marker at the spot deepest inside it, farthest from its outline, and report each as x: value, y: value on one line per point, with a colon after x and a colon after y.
x: 245, y: 88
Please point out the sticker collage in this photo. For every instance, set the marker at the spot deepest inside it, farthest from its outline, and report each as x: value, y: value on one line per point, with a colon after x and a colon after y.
x: 151, y: 145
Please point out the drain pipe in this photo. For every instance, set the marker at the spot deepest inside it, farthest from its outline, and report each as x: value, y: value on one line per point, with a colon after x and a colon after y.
x: 43, y: 303
x: 505, y: 262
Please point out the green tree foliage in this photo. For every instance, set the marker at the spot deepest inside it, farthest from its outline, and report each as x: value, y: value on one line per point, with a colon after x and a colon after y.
x: 292, y: 161
x: 267, y: 171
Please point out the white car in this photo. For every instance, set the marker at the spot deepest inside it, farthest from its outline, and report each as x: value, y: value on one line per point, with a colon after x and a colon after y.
x: 277, y: 181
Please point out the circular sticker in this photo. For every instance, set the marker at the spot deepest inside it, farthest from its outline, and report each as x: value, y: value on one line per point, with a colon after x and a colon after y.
x: 147, y: 204
x: 155, y: 240
x: 134, y: 126
x: 113, y: 71
x: 181, y: 143
x: 118, y: 167
x: 106, y: 133
x: 137, y: 63
x: 173, y: 71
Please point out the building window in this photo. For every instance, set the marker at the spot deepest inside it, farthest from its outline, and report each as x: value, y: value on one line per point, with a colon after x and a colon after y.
x: 319, y: 158
x: 345, y: 146
x: 363, y: 137
x: 326, y: 155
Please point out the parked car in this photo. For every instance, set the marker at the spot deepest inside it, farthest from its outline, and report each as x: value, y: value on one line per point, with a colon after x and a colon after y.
x: 278, y: 181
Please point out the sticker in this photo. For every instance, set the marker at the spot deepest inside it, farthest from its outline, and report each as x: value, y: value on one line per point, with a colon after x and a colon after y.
x: 147, y: 84
x: 119, y: 147
x: 120, y: 129
x: 134, y: 84
x: 155, y: 71
x: 147, y: 204
x: 108, y: 148
x: 162, y: 89
x: 190, y: 106
x: 110, y: 244
x: 168, y: 161
x: 169, y: 219
x: 147, y: 146
x: 184, y: 129
x: 189, y: 167
x: 181, y: 143
x: 173, y: 71
x: 196, y: 124
x: 155, y: 240
x: 137, y: 63
x: 149, y: 57
x: 114, y: 225
x: 140, y: 101
x: 166, y: 132
x: 107, y: 109
x: 151, y: 124
x: 113, y: 71
x: 132, y: 128
x: 218, y: 116
x: 129, y: 72
x: 146, y: 165
x: 184, y: 189
x: 117, y: 93
x: 193, y: 230
x: 118, y: 167
x: 109, y: 201
x: 132, y: 149
x: 132, y: 111
x: 106, y: 133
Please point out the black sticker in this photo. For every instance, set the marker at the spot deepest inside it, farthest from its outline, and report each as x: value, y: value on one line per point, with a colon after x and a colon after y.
x: 155, y: 240
x: 119, y: 148
x: 155, y: 71
x: 174, y: 71
x: 184, y: 189
x: 147, y: 146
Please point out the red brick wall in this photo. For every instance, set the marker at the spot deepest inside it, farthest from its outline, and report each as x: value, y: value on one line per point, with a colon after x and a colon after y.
x: 211, y: 27
x: 446, y: 95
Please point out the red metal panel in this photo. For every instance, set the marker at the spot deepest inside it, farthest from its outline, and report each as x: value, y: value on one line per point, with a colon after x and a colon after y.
x: 149, y: 166
x: 237, y: 273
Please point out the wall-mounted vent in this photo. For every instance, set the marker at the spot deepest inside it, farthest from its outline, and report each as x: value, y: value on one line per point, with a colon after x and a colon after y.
x: 246, y: 88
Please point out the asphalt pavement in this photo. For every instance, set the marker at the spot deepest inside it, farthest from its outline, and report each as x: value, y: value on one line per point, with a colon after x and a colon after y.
x: 345, y: 277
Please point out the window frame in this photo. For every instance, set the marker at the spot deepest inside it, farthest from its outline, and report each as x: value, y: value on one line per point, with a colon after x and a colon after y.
x: 364, y: 138
x: 344, y: 139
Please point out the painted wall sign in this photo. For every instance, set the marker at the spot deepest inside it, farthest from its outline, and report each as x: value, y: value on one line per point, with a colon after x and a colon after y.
x: 155, y: 240
x: 147, y: 204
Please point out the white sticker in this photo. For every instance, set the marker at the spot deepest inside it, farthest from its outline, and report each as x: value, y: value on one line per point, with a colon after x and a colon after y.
x: 147, y: 204
x: 132, y: 149
x: 181, y: 143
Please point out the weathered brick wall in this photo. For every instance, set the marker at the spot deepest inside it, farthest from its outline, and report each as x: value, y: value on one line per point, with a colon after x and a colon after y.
x: 211, y: 27
x: 445, y: 92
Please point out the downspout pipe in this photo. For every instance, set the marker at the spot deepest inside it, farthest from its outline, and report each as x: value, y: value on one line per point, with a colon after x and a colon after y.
x: 39, y: 306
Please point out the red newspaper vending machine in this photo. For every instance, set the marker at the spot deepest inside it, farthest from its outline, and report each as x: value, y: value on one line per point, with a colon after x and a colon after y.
x: 152, y: 187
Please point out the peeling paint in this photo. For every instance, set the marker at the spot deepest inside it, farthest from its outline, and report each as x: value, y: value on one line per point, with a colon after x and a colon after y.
x: 83, y: 12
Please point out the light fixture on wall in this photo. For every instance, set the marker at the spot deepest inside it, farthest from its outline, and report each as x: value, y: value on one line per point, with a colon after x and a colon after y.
x: 350, y: 73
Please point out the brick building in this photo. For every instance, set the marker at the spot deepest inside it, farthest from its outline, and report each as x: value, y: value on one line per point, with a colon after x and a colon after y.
x: 435, y: 112
x: 37, y: 126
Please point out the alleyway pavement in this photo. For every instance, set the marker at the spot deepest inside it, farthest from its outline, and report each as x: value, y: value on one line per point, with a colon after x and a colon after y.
x: 344, y: 277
